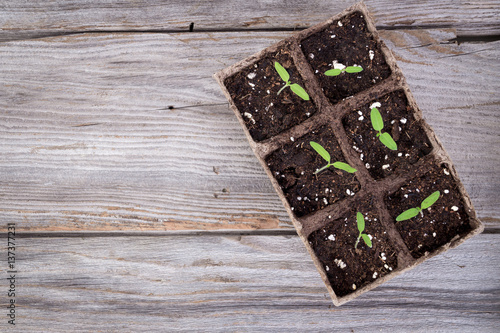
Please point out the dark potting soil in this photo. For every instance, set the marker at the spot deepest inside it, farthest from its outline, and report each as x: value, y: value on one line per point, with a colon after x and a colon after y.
x: 349, y: 268
x: 254, y: 91
x: 438, y: 224
x: 348, y: 42
x: 294, y: 165
x: 400, y: 123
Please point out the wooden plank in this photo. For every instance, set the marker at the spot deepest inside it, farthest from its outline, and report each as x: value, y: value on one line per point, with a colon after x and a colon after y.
x: 88, y: 141
x: 234, y: 283
x: 23, y: 20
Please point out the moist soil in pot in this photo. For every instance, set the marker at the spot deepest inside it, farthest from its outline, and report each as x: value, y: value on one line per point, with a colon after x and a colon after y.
x: 348, y: 42
x: 349, y: 268
x: 399, y: 121
x: 294, y: 164
x: 323, y: 206
x: 255, y: 93
x: 437, y: 225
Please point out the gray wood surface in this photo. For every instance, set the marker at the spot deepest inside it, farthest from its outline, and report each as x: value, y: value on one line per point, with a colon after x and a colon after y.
x: 22, y: 20
x: 90, y: 144
x: 123, y: 169
x: 241, y: 283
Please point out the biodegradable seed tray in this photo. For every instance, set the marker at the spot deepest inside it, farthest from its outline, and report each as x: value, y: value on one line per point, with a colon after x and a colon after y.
x: 324, y: 206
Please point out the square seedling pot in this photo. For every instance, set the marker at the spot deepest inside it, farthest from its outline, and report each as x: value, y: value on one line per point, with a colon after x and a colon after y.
x: 403, y: 204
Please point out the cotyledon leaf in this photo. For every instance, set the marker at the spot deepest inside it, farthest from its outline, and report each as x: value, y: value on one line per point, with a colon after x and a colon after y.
x: 320, y: 150
x: 299, y: 91
x: 408, y: 214
x: 430, y: 200
x: 360, y: 221
x: 376, y: 118
x: 388, y: 141
x: 281, y: 71
x: 344, y: 166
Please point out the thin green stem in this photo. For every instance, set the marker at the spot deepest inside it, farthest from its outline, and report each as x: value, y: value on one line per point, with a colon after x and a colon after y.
x: 286, y: 85
x: 323, y: 168
x: 357, y: 241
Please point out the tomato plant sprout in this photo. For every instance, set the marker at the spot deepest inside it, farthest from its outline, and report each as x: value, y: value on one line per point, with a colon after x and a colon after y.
x: 360, y: 220
x: 295, y: 87
x: 339, y: 69
x: 326, y: 156
x: 412, y: 212
x: 378, y: 125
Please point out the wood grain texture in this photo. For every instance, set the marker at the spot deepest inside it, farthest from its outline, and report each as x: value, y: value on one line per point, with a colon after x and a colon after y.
x: 88, y: 141
x: 23, y: 20
x: 231, y: 283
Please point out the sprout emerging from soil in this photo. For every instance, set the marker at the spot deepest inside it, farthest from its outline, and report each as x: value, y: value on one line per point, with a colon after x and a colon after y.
x: 378, y: 125
x: 326, y: 156
x: 412, y: 212
x: 296, y: 88
x: 339, y: 69
x: 361, y: 227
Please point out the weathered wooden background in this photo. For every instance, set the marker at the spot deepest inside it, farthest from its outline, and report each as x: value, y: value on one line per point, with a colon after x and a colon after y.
x: 139, y: 205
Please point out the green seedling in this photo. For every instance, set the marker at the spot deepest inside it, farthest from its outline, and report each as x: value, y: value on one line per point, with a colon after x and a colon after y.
x: 326, y: 156
x: 412, y: 212
x: 378, y: 125
x: 361, y: 227
x: 296, y: 88
x: 348, y: 69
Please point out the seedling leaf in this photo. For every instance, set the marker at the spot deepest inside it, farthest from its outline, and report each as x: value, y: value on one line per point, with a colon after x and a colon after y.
x: 360, y: 221
x: 344, y: 166
x: 367, y: 240
x: 430, y: 200
x: 281, y: 71
x: 408, y: 214
x: 376, y: 118
x: 353, y: 69
x: 333, y: 72
x: 321, y: 151
x: 299, y: 91
x: 388, y: 141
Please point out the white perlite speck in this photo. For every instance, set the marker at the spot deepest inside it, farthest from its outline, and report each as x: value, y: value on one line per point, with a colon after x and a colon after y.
x: 339, y: 23
x: 400, y: 154
x: 371, y: 54
x: 454, y: 208
x: 252, y: 75
x: 446, y: 191
x: 375, y: 105
x: 385, y: 166
x: 325, y: 201
x: 353, y: 286
x: 249, y: 116
x: 331, y: 237
x: 382, y: 256
x: 367, y: 165
x: 338, y: 65
x: 251, y: 84
x: 403, y: 120
x: 292, y: 139
x: 361, y: 118
x: 375, y: 275
x: 446, y: 172
x: 340, y: 263
x: 434, y: 234
x: 327, y: 268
